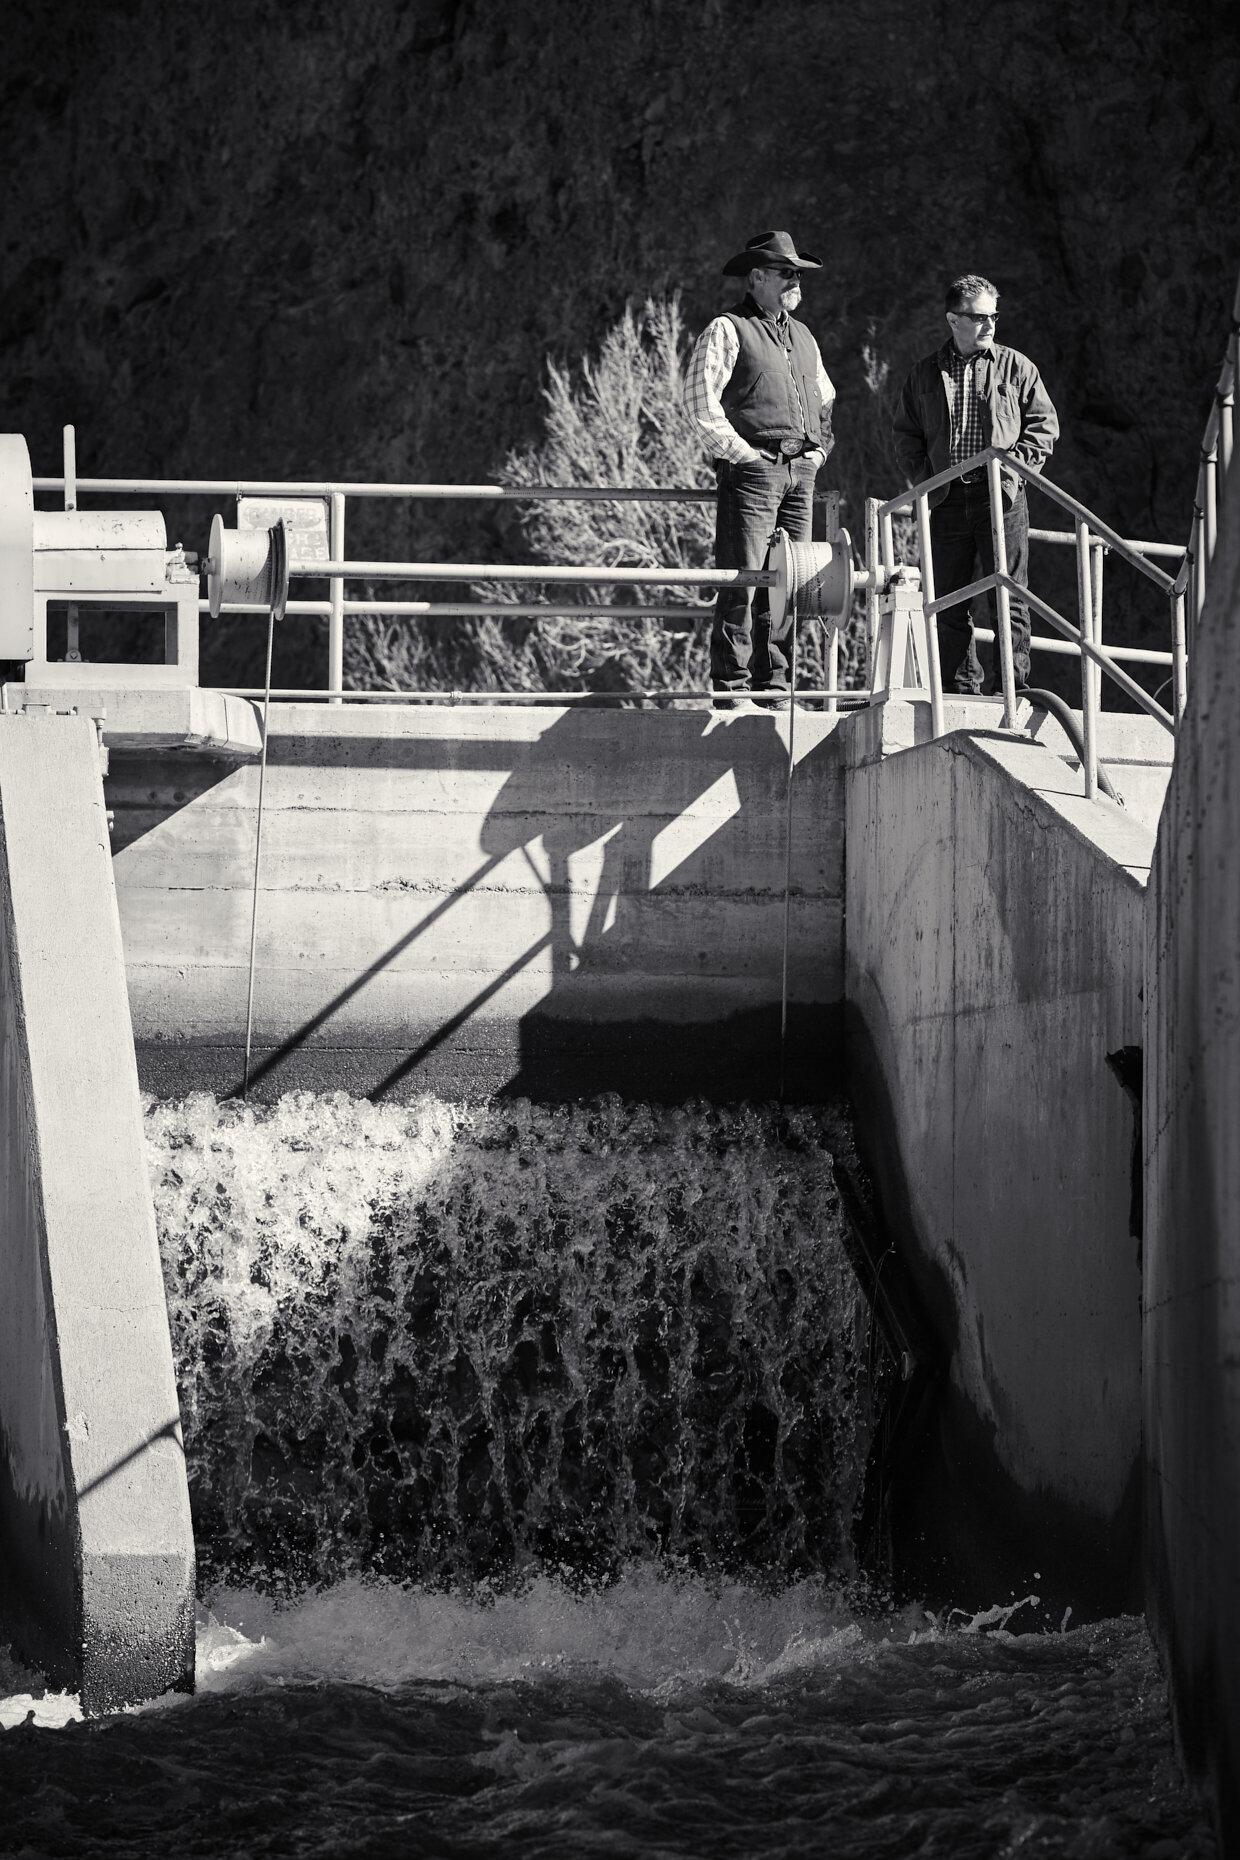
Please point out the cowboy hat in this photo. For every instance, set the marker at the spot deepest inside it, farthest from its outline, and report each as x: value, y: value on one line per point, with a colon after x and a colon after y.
x: 770, y: 248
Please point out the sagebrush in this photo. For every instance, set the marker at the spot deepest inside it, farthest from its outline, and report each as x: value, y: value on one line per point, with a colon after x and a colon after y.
x: 616, y: 419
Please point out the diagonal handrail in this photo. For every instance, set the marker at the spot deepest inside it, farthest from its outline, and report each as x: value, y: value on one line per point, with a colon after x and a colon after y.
x: 1092, y: 536
x: 1073, y: 505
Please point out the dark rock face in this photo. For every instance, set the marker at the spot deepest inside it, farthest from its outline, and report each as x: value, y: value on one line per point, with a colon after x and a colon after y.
x: 298, y: 241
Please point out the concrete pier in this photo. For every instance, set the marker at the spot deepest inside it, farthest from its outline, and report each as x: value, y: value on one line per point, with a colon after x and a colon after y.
x: 994, y: 951
x: 95, y: 1528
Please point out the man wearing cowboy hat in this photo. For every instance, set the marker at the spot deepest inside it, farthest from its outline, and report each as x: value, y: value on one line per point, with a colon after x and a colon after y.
x: 758, y: 391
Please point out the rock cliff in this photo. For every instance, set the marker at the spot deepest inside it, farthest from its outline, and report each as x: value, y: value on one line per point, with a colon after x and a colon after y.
x: 306, y: 239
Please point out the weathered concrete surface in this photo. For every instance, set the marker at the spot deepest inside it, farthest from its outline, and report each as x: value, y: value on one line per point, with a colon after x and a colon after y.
x: 95, y: 1536
x: 993, y: 963
x: 1135, y: 750
x: 1192, y: 1198
x: 181, y: 717
x: 545, y: 901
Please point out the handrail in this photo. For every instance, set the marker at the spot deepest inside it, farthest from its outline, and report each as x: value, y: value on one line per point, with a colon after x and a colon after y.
x: 577, y: 696
x: 1185, y: 591
x: 533, y: 571
x: 343, y: 487
x: 1064, y: 499
x: 1092, y: 538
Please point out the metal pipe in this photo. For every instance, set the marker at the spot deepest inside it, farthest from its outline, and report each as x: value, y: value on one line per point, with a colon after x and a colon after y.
x: 447, y: 610
x: 934, y: 671
x: 872, y: 562
x: 1226, y: 392
x: 70, y: 477
x: 335, y: 623
x: 1197, y: 546
x: 1179, y: 657
x: 1097, y: 556
x: 1209, y: 486
x: 304, y: 487
x: 542, y: 571
x: 906, y: 499
x: 451, y: 610
x: 1069, y: 537
x: 295, y: 693
x: 1138, y: 655
x: 833, y: 668
x: 1002, y: 599
x: 959, y: 596
x: 1085, y: 609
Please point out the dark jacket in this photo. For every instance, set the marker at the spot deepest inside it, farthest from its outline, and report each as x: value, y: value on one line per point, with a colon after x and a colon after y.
x: 777, y: 358
x: 1016, y: 410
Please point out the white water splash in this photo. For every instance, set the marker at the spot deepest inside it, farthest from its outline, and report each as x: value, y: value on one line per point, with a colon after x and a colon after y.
x: 445, y: 1341
x: 654, y: 1632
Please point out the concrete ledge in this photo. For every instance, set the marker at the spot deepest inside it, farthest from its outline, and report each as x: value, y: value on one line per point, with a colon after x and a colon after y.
x: 1135, y: 750
x: 95, y: 1533
x: 181, y: 717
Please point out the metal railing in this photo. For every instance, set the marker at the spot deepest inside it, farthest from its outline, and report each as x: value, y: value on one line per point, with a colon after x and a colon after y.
x: 337, y: 571
x: 1092, y: 540
x: 1091, y: 536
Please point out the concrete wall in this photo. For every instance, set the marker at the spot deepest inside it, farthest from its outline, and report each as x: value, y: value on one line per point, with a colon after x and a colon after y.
x: 994, y: 962
x: 95, y: 1536
x: 535, y: 900
x: 1192, y: 1177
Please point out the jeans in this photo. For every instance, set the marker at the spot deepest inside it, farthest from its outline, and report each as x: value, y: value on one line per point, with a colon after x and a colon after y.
x: 745, y: 652
x: 960, y: 540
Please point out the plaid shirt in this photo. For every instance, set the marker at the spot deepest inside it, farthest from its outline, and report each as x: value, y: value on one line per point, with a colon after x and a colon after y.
x: 967, y: 437
x: 709, y: 371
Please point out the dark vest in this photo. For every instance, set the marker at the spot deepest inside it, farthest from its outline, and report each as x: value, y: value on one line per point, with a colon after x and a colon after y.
x: 761, y: 399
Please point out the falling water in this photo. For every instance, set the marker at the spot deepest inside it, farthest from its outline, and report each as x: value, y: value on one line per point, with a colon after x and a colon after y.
x: 523, y: 1446
x: 453, y: 1343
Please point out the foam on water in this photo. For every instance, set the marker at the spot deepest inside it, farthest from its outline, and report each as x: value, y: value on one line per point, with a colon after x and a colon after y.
x: 523, y: 1446
x: 445, y: 1342
x: 660, y: 1715
x: 653, y: 1631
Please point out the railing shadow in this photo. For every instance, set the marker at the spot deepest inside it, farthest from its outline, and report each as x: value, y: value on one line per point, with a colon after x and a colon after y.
x: 654, y: 845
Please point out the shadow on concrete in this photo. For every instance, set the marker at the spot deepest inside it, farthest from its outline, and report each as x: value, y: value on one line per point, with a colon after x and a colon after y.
x: 568, y: 793
x: 144, y: 789
x: 660, y: 930
x: 959, y: 1531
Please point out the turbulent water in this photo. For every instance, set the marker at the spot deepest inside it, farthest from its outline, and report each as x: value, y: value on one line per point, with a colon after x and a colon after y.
x: 447, y: 1342
x: 657, y: 1717
x: 523, y: 1447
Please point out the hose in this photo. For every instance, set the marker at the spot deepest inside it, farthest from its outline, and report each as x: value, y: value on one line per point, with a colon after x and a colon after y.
x: 1066, y: 719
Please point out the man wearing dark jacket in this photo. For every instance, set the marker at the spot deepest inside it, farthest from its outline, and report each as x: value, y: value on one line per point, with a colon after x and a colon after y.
x: 758, y: 392
x: 970, y: 394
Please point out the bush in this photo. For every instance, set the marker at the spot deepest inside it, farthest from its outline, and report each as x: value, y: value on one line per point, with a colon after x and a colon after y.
x: 617, y: 419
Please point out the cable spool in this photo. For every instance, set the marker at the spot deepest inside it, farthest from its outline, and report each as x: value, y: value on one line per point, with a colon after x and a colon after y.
x: 818, y: 576
x: 248, y: 566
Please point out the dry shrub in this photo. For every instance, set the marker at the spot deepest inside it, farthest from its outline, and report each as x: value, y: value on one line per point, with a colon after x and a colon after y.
x: 616, y: 419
